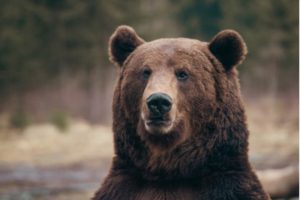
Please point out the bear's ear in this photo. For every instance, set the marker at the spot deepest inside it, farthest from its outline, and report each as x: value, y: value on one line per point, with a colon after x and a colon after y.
x: 122, y: 43
x: 229, y: 48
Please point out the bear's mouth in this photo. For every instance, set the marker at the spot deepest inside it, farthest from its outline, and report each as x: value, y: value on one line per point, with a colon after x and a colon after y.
x: 158, y: 121
x: 158, y: 124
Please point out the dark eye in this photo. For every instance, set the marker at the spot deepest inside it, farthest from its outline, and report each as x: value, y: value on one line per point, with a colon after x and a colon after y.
x: 146, y: 73
x: 181, y: 75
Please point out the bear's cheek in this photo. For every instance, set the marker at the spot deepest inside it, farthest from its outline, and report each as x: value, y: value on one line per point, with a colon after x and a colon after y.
x: 196, y: 101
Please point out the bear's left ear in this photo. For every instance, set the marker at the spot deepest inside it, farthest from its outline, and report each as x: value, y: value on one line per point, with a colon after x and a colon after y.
x: 229, y: 48
x: 122, y: 43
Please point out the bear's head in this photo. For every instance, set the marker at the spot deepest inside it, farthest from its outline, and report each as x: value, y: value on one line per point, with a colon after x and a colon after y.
x: 174, y: 92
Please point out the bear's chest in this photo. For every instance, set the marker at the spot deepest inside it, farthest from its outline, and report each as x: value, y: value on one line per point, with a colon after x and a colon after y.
x: 156, y: 193
x: 179, y: 191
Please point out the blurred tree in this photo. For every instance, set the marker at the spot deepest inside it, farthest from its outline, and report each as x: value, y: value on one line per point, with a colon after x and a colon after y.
x: 39, y: 39
x: 199, y: 18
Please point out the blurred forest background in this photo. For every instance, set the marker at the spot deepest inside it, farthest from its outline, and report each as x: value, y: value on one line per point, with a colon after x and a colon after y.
x: 56, y: 81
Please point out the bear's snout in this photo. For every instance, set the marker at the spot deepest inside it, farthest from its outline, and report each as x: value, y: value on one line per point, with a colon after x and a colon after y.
x: 159, y: 104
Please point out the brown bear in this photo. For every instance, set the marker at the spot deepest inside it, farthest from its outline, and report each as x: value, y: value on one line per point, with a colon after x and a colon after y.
x: 179, y: 123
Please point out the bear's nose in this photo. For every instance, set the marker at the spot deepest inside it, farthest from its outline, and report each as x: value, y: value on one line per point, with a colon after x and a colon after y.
x: 159, y: 103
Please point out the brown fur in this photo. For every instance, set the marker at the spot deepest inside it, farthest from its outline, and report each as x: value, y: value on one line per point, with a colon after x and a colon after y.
x: 204, y: 154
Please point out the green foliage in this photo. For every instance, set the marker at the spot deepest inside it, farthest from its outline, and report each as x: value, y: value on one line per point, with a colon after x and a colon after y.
x: 199, y: 18
x: 60, y: 121
x: 19, y: 120
x: 40, y: 39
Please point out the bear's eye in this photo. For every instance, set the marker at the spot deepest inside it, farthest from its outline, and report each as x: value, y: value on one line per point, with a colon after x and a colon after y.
x: 181, y: 75
x: 146, y: 73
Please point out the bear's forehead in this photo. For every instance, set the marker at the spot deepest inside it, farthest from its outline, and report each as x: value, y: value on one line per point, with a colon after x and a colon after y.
x: 170, y: 46
x: 170, y: 50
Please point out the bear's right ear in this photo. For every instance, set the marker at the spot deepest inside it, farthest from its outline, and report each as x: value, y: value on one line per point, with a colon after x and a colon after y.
x: 122, y: 43
x: 229, y: 48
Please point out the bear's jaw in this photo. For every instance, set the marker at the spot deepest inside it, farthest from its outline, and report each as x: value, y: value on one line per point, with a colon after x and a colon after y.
x: 162, y: 141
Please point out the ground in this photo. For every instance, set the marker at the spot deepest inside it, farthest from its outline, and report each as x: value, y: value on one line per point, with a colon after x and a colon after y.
x: 43, y: 163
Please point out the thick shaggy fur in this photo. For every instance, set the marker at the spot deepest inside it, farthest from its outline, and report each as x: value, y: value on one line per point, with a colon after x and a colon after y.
x: 204, y: 156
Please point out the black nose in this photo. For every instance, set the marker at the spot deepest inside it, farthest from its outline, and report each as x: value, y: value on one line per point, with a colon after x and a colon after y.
x: 159, y: 103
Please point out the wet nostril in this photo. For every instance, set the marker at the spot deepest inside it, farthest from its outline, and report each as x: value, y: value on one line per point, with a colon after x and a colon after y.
x: 154, y: 108
x: 159, y: 103
x: 165, y: 102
